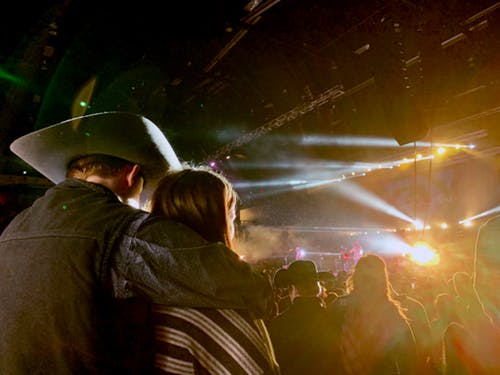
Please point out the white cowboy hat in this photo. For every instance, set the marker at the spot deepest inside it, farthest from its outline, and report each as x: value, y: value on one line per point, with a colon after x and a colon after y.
x: 125, y: 135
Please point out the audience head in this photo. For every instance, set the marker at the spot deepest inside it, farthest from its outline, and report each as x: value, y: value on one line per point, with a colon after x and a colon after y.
x: 200, y: 198
x: 462, y: 284
x: 444, y: 306
x: 302, y: 276
x: 280, y: 279
x: 370, y: 276
x: 327, y: 280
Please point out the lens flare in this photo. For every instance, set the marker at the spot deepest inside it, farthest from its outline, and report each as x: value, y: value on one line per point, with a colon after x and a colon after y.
x: 423, y: 254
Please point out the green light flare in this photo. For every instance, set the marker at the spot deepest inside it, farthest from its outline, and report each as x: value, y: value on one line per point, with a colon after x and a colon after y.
x: 4, y: 75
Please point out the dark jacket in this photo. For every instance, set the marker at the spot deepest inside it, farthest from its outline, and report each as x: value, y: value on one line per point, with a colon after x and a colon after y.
x: 65, y: 257
x: 301, y: 339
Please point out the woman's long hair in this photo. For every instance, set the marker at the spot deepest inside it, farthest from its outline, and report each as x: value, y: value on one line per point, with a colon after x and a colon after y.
x: 369, y: 284
x: 375, y: 334
x: 200, y: 198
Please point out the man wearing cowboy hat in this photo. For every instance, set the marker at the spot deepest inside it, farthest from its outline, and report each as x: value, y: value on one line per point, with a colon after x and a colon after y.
x: 79, y: 247
x: 300, y: 335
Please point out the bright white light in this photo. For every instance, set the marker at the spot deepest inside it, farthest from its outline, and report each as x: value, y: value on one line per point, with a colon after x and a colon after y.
x: 306, y: 163
x: 466, y: 223
x: 484, y: 213
x: 355, y: 141
x: 421, y: 253
x: 472, y: 147
x: 269, y: 183
x: 358, y: 194
x: 348, y: 141
x: 301, y: 253
x: 418, y: 224
x: 444, y: 226
x: 441, y: 150
x: 390, y: 244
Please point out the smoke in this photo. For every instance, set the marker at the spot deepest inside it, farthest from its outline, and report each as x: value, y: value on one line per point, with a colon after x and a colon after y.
x: 259, y: 242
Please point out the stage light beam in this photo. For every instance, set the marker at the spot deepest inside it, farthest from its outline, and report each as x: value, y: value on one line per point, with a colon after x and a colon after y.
x: 357, y: 194
x: 482, y: 214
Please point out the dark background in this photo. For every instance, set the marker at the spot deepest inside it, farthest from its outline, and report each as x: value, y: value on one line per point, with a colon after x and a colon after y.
x: 243, y: 83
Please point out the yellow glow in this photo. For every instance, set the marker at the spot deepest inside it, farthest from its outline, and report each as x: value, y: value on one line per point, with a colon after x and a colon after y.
x: 83, y: 96
x: 441, y: 150
x: 423, y: 254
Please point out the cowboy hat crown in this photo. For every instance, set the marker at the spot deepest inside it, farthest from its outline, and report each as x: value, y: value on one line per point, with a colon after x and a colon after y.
x: 124, y: 135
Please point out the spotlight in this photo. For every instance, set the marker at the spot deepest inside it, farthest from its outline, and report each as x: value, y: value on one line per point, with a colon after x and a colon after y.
x: 423, y: 254
x: 441, y: 150
x: 418, y: 225
x: 444, y: 226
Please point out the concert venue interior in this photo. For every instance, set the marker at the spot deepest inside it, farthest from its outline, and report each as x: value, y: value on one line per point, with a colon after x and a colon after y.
x: 345, y: 126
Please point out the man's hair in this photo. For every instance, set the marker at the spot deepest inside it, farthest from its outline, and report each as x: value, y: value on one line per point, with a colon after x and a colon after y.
x: 96, y: 164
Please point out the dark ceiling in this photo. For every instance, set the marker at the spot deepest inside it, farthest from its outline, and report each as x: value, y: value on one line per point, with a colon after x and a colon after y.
x: 247, y: 84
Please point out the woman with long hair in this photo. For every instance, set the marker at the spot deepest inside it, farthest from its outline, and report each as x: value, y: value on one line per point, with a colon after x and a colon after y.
x: 199, y: 340
x: 372, y: 331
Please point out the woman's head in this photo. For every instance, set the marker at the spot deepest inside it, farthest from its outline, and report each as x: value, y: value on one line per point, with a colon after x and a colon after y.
x: 200, y: 198
x: 370, y: 276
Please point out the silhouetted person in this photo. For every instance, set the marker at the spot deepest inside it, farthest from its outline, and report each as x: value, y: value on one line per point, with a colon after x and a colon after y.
x: 300, y: 335
x: 372, y: 332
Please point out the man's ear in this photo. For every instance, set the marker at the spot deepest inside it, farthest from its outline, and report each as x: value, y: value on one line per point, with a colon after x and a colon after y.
x: 131, y: 175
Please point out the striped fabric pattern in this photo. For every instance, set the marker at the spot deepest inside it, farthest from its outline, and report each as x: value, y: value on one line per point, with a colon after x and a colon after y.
x: 211, y: 341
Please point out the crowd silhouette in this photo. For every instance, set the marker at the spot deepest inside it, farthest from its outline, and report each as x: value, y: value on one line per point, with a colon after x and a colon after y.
x: 383, y: 319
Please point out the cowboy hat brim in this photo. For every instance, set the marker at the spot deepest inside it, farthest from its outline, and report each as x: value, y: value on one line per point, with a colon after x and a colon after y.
x: 124, y: 135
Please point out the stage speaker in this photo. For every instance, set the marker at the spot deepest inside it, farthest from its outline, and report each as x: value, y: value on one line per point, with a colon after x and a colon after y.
x: 405, y: 123
x: 397, y: 89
